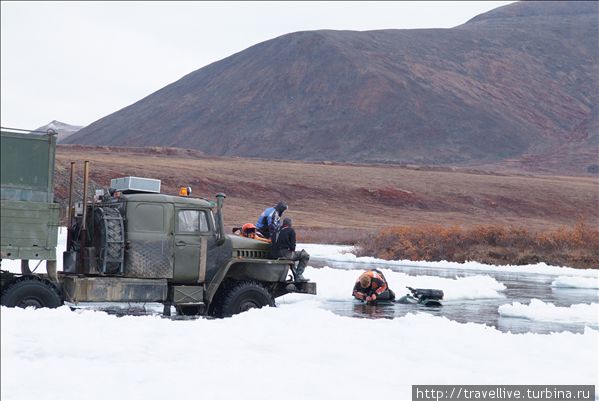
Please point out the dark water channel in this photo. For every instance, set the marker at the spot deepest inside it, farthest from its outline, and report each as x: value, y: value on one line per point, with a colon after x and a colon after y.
x: 520, y: 287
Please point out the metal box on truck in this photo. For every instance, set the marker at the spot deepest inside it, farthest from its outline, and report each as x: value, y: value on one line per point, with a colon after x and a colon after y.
x: 29, y: 217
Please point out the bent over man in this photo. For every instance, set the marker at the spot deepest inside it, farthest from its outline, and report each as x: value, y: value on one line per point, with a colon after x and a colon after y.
x: 372, y: 286
x: 283, y: 246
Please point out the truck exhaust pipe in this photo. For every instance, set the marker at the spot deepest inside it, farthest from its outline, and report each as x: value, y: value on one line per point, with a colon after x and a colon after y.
x: 70, y: 208
x: 220, y: 198
x: 83, y: 233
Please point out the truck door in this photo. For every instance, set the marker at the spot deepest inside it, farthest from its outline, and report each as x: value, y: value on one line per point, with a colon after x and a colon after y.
x: 191, y: 235
x: 149, y: 236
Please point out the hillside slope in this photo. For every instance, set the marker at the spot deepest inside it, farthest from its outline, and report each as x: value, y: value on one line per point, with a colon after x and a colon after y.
x: 516, y: 86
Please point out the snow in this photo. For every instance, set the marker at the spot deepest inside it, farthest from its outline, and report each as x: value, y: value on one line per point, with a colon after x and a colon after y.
x: 575, y: 282
x: 298, y: 350
x: 342, y: 253
x: 548, y: 312
x: 295, y: 351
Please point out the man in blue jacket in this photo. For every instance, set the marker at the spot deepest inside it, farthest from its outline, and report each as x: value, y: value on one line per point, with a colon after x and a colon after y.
x: 269, y: 221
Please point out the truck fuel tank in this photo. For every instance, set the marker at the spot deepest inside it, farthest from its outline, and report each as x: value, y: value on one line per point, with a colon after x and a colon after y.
x: 113, y: 289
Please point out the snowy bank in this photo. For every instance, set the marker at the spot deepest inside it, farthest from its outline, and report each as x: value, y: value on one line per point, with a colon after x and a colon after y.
x: 295, y: 351
x: 548, y: 312
x: 342, y: 253
x: 576, y: 282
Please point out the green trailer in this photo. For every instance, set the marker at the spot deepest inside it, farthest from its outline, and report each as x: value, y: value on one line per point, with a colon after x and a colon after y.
x: 28, y: 215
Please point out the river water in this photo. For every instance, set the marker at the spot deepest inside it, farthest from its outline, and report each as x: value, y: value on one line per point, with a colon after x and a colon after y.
x: 520, y: 287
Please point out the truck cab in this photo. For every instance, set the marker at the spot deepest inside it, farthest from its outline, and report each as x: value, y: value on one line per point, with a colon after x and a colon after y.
x: 176, y: 249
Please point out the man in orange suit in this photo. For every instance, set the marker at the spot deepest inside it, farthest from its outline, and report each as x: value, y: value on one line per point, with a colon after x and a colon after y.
x: 372, y: 286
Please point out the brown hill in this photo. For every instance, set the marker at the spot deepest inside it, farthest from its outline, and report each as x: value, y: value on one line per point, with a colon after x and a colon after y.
x: 513, y: 88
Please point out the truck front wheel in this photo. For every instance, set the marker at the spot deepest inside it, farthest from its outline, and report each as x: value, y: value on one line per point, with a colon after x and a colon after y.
x: 245, y: 296
x: 31, y: 292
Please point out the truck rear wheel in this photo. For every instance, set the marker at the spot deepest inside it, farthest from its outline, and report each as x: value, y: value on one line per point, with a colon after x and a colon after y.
x: 245, y: 296
x: 31, y: 292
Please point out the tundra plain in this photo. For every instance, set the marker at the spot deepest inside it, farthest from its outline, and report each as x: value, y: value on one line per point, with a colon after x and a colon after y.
x: 335, y: 202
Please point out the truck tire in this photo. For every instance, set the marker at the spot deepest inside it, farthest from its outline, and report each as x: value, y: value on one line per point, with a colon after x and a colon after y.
x: 245, y: 296
x: 31, y: 291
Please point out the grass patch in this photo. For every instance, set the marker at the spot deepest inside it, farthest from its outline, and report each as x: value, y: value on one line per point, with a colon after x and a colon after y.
x: 576, y: 246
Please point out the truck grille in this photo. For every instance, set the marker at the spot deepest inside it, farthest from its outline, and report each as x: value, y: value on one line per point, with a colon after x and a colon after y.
x: 252, y: 254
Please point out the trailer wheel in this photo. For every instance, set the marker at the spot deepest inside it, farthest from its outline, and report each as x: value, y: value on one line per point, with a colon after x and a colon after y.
x: 245, y: 296
x: 31, y: 292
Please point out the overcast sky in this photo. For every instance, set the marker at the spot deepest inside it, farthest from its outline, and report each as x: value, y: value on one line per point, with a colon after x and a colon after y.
x: 77, y: 62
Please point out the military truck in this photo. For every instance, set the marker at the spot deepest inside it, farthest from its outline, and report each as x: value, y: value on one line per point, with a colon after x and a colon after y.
x: 132, y: 244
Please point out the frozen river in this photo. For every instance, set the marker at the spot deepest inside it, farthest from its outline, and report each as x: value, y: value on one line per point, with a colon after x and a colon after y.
x: 517, y: 299
x: 519, y: 287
